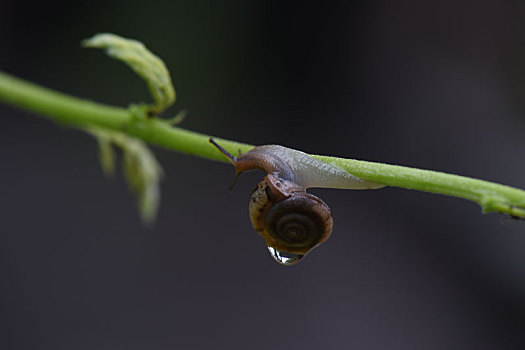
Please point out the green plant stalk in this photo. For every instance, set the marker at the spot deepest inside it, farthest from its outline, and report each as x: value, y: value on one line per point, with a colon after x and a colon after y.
x: 133, y: 121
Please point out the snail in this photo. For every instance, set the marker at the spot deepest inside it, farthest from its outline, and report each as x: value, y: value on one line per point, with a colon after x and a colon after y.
x: 291, y: 221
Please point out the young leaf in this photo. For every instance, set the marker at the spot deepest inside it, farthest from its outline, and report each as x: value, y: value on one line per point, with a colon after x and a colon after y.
x: 141, y: 169
x: 106, y: 155
x: 147, y: 65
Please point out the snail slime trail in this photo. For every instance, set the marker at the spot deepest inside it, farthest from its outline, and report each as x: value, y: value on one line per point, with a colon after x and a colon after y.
x: 291, y: 221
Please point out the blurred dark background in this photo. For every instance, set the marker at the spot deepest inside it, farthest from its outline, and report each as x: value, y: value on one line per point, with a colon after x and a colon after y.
x: 430, y: 84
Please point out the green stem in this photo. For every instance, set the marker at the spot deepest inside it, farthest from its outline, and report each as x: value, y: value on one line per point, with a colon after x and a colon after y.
x: 133, y: 121
x: 489, y: 195
x: 79, y: 112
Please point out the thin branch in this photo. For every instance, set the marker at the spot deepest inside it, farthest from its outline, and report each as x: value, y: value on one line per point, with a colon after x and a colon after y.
x: 134, y: 121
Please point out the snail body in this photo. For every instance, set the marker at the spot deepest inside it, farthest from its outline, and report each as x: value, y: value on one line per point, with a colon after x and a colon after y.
x: 299, y: 167
x: 291, y: 221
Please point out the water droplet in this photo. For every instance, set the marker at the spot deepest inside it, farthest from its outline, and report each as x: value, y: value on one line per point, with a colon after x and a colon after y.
x: 284, y: 258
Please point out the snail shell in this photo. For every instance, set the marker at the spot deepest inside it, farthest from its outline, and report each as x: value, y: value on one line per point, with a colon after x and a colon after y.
x: 289, y: 219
